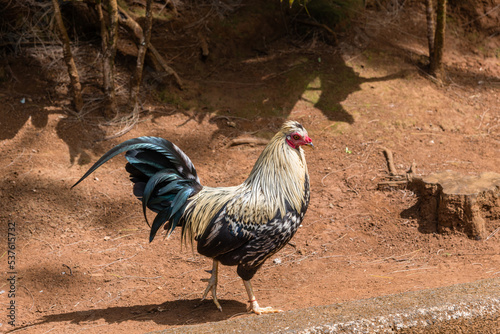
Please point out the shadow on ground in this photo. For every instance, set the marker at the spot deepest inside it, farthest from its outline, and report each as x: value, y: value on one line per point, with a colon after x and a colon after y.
x: 163, y: 314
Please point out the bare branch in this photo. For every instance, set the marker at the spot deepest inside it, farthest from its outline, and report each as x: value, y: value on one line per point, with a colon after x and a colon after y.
x: 128, y: 21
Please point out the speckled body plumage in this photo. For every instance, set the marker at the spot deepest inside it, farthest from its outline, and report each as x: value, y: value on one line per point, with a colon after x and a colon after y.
x: 254, y: 220
x: 237, y: 226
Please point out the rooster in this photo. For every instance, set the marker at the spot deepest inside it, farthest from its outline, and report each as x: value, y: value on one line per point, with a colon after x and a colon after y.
x: 239, y: 226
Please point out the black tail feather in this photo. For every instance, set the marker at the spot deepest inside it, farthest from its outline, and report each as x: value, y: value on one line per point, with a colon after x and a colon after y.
x: 164, y: 178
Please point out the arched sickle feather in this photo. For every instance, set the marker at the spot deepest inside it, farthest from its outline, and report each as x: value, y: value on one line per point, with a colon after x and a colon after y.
x: 182, y: 162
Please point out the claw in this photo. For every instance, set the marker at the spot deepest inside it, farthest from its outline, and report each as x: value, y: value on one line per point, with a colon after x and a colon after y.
x: 212, y: 285
x: 254, y: 306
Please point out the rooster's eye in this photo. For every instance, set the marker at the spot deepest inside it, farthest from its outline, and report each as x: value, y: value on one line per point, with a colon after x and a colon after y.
x: 296, y: 137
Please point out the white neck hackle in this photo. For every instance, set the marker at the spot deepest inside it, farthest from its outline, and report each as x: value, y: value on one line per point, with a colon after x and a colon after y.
x: 277, y: 178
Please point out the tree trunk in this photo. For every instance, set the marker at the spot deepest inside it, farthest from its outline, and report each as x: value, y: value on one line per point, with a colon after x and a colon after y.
x: 436, y: 64
x: 429, y: 11
x: 76, y: 87
x: 109, y: 37
x: 143, y: 48
x: 104, y: 43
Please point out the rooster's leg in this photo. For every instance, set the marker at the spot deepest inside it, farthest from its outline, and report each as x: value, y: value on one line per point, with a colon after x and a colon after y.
x: 254, y: 306
x: 212, y: 284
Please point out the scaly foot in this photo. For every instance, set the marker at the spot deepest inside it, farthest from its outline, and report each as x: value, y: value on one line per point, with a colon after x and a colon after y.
x: 254, y: 306
x: 212, y: 285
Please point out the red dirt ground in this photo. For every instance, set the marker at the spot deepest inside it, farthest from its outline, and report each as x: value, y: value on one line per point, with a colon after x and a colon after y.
x: 83, y: 260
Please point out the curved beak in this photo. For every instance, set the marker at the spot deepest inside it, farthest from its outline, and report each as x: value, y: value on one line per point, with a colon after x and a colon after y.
x: 309, y: 142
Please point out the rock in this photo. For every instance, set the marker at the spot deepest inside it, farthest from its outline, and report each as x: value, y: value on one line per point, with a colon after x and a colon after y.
x: 450, y: 201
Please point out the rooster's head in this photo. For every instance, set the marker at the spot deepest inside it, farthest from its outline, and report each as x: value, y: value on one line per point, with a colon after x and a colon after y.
x: 296, y: 135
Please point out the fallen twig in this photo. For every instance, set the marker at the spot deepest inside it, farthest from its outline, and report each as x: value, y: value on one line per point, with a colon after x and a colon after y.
x: 392, y: 183
x: 390, y: 161
x: 139, y: 277
x: 493, y: 233
x: 403, y: 270
x: 324, y: 177
x: 396, y: 180
x: 250, y: 141
x: 70, y: 271
x: 48, y: 244
x: 119, y: 260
